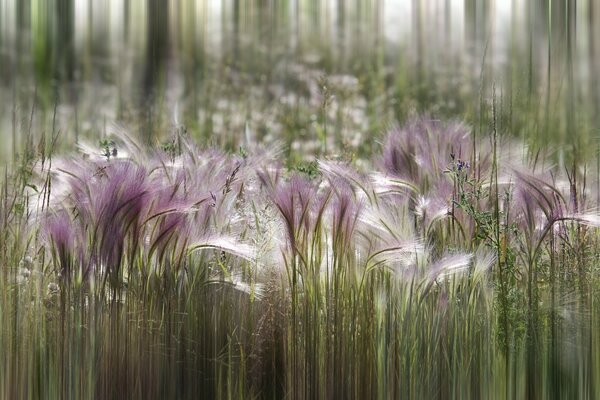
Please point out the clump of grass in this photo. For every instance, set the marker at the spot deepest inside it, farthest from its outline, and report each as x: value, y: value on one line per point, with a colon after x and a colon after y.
x: 166, y: 272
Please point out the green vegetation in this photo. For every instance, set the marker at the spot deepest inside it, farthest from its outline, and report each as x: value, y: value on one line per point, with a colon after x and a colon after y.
x: 175, y: 271
x: 299, y: 200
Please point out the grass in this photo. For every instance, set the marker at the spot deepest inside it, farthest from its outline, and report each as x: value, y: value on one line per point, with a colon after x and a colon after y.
x: 294, y: 244
x: 169, y: 271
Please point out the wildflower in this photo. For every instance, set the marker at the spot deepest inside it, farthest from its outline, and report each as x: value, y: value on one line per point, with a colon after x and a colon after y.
x: 53, y: 288
x: 26, y: 262
x: 460, y: 165
x: 23, y: 275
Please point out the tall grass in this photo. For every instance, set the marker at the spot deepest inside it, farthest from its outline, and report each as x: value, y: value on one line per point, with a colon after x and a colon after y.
x: 180, y: 272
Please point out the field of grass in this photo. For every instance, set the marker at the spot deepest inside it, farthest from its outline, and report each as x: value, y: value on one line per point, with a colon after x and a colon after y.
x: 299, y: 200
x: 449, y: 268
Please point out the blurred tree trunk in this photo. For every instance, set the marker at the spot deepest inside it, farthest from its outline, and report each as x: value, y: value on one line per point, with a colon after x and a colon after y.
x: 156, y: 54
x: 236, y: 32
x: 64, y: 46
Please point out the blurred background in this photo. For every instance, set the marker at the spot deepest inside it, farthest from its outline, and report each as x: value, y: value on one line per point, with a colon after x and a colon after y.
x: 313, y: 76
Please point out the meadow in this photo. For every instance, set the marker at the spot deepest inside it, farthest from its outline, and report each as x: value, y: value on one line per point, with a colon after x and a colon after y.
x: 217, y: 203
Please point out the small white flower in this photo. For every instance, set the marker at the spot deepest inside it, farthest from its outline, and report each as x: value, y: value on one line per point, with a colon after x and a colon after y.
x: 26, y: 262
x: 24, y: 273
x: 53, y: 288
